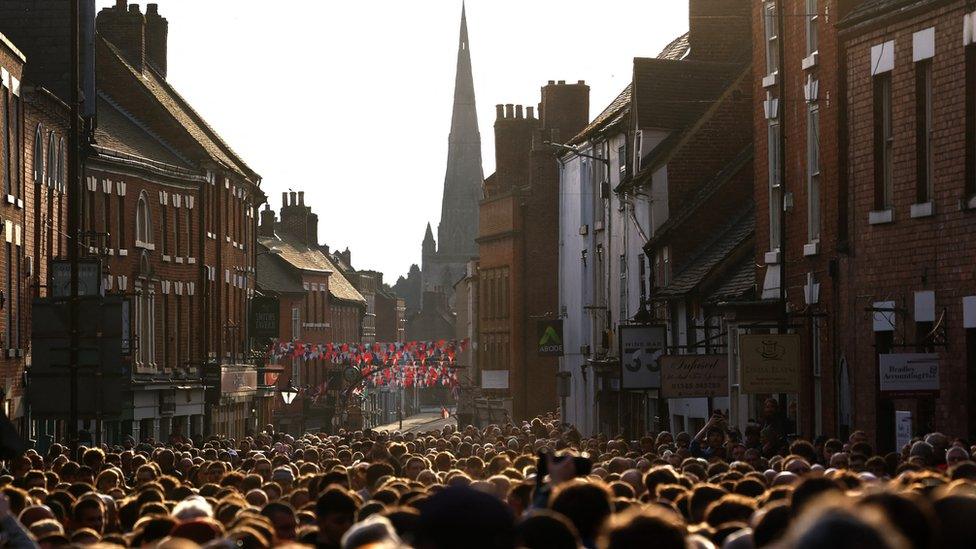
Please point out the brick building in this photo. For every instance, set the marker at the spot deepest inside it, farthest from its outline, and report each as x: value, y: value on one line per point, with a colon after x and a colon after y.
x: 318, y: 305
x: 166, y: 206
x: 33, y: 122
x: 518, y: 247
x: 909, y: 69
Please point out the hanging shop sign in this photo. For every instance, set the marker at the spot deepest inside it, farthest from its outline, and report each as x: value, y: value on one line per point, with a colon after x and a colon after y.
x: 641, y: 348
x: 550, y: 333
x: 694, y: 376
x: 909, y: 373
x: 769, y: 363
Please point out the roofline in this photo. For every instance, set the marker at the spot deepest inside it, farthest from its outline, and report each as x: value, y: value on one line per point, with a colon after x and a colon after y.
x: 120, y: 158
x: 860, y: 22
x: 6, y: 42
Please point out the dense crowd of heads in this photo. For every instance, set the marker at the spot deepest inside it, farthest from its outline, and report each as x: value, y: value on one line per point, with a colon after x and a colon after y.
x: 538, y: 484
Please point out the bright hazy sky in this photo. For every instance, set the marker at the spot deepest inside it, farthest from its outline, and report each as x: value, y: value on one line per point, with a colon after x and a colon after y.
x: 350, y: 101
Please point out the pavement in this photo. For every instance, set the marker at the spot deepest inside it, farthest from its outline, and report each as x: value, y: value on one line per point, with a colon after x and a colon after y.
x: 428, y: 419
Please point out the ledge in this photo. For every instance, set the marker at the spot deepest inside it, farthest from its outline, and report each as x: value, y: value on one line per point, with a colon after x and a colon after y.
x: 145, y: 246
x: 810, y: 61
x: 925, y: 209
x: 770, y: 80
x: 123, y: 252
x: 880, y: 217
x: 811, y: 249
x: 772, y: 258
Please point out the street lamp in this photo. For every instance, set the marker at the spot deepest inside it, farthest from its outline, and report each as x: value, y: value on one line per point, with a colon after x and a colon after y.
x: 289, y: 393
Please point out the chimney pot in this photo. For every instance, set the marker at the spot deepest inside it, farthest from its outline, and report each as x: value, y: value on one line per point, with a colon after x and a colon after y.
x: 134, y: 8
x: 552, y: 82
x: 301, y: 198
x: 518, y: 111
x: 292, y: 198
x: 509, y: 110
x: 120, y: 4
x: 284, y: 199
x: 499, y: 111
x: 530, y: 112
x: 581, y: 82
x: 152, y: 9
x: 562, y: 82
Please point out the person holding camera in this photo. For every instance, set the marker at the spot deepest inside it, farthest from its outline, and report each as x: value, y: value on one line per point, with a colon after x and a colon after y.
x: 713, y: 436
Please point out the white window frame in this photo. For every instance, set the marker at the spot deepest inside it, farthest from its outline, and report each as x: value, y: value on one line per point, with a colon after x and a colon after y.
x: 296, y: 323
x: 814, y: 190
x: 144, y: 235
x: 771, y: 33
x: 775, y: 183
x: 812, y: 26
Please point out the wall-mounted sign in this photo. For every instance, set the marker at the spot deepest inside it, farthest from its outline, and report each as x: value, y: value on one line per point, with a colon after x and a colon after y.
x: 494, y: 379
x: 264, y: 317
x: 909, y: 372
x: 89, y: 277
x: 694, y: 376
x: 550, y: 333
x: 769, y: 363
x: 641, y: 348
x: 238, y: 381
x: 903, y: 429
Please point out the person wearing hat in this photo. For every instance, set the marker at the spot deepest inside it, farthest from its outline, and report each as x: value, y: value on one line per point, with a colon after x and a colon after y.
x: 284, y: 477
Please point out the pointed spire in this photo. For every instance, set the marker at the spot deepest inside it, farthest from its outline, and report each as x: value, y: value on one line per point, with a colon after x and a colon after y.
x: 463, y: 41
x: 429, y: 236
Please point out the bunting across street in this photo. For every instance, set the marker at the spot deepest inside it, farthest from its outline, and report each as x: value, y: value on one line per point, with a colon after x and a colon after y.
x: 409, y: 364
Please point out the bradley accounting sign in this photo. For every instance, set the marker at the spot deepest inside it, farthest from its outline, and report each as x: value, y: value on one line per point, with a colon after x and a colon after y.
x: 694, y: 376
x: 550, y: 337
x: 909, y: 373
x: 641, y: 348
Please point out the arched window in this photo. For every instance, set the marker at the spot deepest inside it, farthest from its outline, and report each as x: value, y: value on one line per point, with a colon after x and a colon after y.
x: 61, y: 176
x: 51, y: 165
x: 143, y: 222
x: 38, y: 156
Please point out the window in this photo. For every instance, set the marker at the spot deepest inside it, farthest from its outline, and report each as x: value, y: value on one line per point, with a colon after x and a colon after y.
x: 9, y: 293
x: 775, y: 186
x: 813, y: 19
x: 189, y: 232
x: 146, y: 326
x: 143, y: 222
x: 970, y: 120
x: 177, y: 233
x: 622, y: 304
x: 5, y: 132
x: 923, y: 131
x: 883, y: 142
x: 164, y: 211
x: 107, y: 218
x: 771, y: 26
x: 121, y: 223
x: 296, y: 323
x: 622, y: 161
x: 813, y: 174
x: 38, y: 156
x: 167, y: 336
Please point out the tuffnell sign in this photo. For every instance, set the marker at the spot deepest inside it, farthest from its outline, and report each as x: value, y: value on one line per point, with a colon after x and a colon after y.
x: 694, y: 376
x: 550, y: 337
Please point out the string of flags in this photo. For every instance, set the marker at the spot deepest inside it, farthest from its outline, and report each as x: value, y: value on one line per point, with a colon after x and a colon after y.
x: 409, y: 364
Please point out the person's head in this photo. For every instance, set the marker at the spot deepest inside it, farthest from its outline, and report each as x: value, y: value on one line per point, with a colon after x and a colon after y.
x: 193, y: 507
x: 715, y: 437
x: 463, y: 517
x: 88, y: 512
x: 586, y: 504
x: 956, y: 454
x: 413, y: 467
x: 335, y: 512
x: 922, y: 453
x: 282, y: 517
x: 544, y: 529
x: 635, y: 528
x: 837, y: 525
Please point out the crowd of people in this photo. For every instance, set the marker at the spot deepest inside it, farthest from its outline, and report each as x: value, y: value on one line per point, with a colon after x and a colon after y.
x: 537, y: 484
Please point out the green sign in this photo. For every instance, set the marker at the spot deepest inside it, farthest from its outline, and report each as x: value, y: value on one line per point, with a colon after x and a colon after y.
x: 550, y: 337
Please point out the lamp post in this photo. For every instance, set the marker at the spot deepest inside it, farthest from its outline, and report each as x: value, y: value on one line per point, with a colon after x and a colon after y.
x: 288, y: 394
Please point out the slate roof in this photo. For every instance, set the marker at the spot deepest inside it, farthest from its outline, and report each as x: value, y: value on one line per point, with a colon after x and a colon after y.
x: 615, y: 111
x: 710, y: 256
x: 705, y: 192
x: 740, y: 281
x: 274, y: 276
x: 120, y: 131
x: 163, y: 94
x: 301, y: 257
x: 870, y: 9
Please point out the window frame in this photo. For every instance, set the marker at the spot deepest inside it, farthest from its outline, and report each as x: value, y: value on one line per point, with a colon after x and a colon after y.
x: 812, y: 27
x: 925, y: 159
x: 144, y: 236
x: 883, y: 142
x: 814, y: 178
x: 775, y: 183
x: 771, y: 36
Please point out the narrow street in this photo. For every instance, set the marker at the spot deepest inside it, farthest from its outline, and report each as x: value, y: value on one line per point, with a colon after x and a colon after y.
x: 429, y: 419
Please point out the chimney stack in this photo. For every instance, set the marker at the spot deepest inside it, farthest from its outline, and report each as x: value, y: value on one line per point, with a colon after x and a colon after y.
x: 157, y: 31
x: 301, y: 198
x: 266, y: 228
x: 125, y: 27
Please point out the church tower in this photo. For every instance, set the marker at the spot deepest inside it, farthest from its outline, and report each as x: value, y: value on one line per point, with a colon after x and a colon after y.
x: 463, y: 182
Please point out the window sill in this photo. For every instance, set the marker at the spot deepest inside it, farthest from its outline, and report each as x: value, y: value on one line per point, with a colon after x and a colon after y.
x: 810, y: 61
x: 191, y: 261
x: 11, y: 199
x: 770, y: 80
x: 811, y: 249
x: 227, y: 238
x: 772, y: 258
x: 145, y: 246
x: 179, y: 260
x: 123, y: 252
x: 880, y: 217
x: 968, y: 203
x: 925, y: 209
x: 166, y: 258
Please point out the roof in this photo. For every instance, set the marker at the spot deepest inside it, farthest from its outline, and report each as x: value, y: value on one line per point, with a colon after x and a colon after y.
x: 120, y: 131
x: 272, y: 275
x: 184, y: 115
x: 739, y: 281
x: 675, y: 50
x: 671, y: 94
x: 704, y: 193
x: 710, y: 256
x: 871, y: 9
x: 13, y: 49
x: 295, y: 253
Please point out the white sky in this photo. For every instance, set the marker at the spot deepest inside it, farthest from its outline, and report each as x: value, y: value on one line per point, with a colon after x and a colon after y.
x: 350, y: 101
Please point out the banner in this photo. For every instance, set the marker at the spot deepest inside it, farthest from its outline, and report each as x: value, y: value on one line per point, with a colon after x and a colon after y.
x: 641, y: 347
x: 550, y: 334
x: 909, y: 373
x: 694, y: 376
x: 769, y: 363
